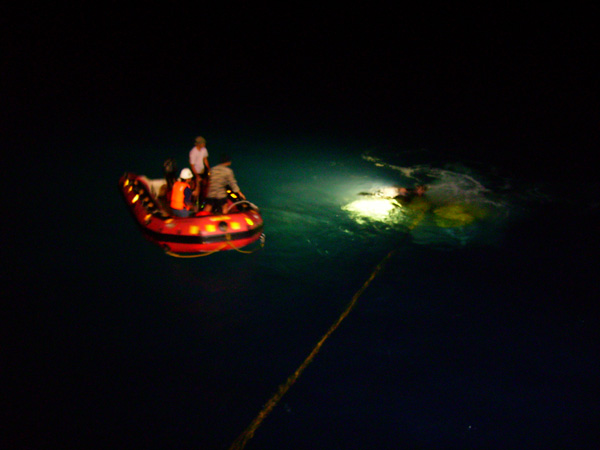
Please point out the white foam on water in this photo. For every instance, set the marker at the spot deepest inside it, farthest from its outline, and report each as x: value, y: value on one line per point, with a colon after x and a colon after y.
x: 453, y: 185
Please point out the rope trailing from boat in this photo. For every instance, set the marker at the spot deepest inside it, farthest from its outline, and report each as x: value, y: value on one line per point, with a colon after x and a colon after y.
x: 195, y: 255
x: 248, y: 433
x: 229, y: 242
x: 238, y: 249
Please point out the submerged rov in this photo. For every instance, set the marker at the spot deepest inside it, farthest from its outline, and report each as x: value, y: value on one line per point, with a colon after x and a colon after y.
x: 239, y: 226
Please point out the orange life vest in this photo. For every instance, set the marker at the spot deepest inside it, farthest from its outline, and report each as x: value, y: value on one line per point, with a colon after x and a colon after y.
x: 178, y: 195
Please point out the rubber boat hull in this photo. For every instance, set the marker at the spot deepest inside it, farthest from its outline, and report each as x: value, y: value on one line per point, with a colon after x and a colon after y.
x: 189, y: 235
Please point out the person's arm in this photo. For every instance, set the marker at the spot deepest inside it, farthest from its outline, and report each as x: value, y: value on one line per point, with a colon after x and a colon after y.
x: 193, y: 167
x: 196, y: 177
x: 187, y: 197
x: 233, y: 184
x: 206, y: 165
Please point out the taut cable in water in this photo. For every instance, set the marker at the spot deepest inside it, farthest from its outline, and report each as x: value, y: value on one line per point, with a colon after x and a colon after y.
x: 248, y: 433
x: 241, y: 441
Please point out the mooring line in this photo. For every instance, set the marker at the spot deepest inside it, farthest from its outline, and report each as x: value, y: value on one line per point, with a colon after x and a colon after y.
x: 241, y: 441
x: 248, y: 433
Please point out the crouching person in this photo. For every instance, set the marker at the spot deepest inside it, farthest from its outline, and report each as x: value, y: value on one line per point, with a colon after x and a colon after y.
x: 221, y: 176
x: 181, y: 197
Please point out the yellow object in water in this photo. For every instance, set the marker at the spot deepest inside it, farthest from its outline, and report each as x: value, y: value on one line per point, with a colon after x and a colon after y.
x: 457, y: 215
x: 419, y: 204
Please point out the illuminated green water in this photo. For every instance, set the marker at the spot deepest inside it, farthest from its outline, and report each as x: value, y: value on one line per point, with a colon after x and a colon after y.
x: 472, y: 335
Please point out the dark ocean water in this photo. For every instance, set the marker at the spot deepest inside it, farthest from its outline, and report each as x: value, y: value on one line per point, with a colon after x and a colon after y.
x: 475, y: 336
x: 482, y: 329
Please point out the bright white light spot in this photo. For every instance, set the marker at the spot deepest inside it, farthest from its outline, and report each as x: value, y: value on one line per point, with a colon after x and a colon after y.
x: 374, y: 209
x: 389, y: 192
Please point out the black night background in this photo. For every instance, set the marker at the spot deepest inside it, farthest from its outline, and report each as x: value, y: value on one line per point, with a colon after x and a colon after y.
x: 469, y: 339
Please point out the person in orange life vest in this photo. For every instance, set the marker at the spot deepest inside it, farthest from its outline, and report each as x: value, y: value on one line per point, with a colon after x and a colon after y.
x: 181, y: 197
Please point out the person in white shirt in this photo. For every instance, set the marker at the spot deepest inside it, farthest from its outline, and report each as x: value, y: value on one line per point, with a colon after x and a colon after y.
x: 200, y: 167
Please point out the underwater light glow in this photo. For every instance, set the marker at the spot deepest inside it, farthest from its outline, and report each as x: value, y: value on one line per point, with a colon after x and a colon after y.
x: 374, y: 208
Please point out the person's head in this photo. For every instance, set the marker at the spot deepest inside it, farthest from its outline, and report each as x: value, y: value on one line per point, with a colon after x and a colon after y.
x: 225, y: 159
x: 200, y: 142
x: 170, y: 166
x: 420, y: 189
x: 186, y: 174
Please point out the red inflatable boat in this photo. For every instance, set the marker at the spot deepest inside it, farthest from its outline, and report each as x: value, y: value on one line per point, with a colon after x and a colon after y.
x: 239, y: 227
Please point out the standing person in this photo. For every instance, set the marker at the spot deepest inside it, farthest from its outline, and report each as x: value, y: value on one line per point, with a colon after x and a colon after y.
x: 181, y: 197
x: 221, y: 176
x: 170, y: 166
x: 200, y: 166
